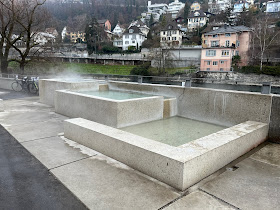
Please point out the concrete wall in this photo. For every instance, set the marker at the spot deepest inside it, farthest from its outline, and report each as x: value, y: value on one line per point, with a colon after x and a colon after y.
x: 170, y: 108
x: 180, y: 167
x: 221, y: 107
x: 1, y: 106
x: 6, y: 83
x: 114, y: 113
x: 274, y: 126
x: 47, y: 88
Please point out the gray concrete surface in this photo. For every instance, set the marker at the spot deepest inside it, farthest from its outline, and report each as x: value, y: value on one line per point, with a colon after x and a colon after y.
x: 54, y: 152
x: 274, y: 130
x: 269, y: 154
x: 198, y: 201
x: 103, y: 183
x: 1, y: 105
x: 254, y: 185
x: 50, y: 128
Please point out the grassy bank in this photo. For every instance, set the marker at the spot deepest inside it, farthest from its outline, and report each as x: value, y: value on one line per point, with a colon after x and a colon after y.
x: 39, y: 68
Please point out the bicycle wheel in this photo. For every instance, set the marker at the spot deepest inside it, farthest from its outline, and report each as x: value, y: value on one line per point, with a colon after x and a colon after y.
x: 32, y: 88
x: 16, y: 86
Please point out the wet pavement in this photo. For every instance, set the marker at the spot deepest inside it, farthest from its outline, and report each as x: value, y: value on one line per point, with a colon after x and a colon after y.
x: 40, y: 169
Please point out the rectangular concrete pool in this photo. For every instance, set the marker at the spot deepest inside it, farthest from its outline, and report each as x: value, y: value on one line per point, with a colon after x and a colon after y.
x: 115, y: 95
x: 174, y: 131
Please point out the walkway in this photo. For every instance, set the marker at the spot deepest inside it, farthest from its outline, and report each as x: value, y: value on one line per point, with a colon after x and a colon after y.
x: 251, y: 182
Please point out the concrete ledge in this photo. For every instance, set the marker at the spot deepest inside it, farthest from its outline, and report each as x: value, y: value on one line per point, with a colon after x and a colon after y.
x: 274, y: 126
x: 6, y: 83
x: 1, y: 106
x: 180, y: 167
x: 47, y: 88
x: 115, y: 113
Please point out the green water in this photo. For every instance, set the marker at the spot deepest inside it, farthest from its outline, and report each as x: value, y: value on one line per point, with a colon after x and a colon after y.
x: 115, y: 95
x: 174, y: 131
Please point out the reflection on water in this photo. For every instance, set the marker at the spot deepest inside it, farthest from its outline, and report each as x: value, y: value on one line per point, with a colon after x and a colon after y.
x: 174, y: 131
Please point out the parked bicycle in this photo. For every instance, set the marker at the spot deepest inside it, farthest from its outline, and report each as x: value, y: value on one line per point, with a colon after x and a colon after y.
x: 25, y: 84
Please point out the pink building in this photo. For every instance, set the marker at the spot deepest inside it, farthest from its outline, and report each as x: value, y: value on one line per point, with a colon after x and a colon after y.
x: 219, y: 46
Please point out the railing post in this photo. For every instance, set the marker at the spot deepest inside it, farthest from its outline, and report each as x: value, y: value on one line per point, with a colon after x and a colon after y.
x: 106, y: 78
x: 188, y: 82
x: 266, y: 88
x: 140, y: 79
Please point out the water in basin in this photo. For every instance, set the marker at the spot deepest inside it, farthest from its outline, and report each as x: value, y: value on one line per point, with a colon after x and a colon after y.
x: 115, y: 95
x: 174, y: 131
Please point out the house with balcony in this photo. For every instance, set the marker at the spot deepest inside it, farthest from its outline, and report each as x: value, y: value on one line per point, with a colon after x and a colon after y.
x: 197, y: 19
x: 219, y: 47
x: 217, y: 6
x: 175, y: 7
x: 133, y: 37
x: 118, y: 30
x: 240, y: 6
x: 171, y: 35
x: 273, y: 6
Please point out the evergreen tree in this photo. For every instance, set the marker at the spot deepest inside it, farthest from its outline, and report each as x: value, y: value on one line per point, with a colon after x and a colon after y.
x: 151, y: 20
x: 186, y: 12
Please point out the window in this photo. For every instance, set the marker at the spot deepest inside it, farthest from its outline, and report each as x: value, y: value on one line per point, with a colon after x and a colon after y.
x: 227, y: 34
x: 215, y: 63
x: 225, y: 53
x: 227, y: 43
x: 208, y: 63
x: 164, y: 33
x: 208, y: 69
x: 173, y: 38
x: 222, y: 62
x: 221, y: 69
x: 214, y: 43
x: 163, y: 38
x: 215, y: 35
x: 237, y: 43
x: 131, y: 31
x: 205, y: 41
x: 126, y: 42
x: 237, y: 53
x: 174, y: 32
x: 133, y: 36
x: 126, y: 36
x: 210, y: 53
x: 133, y: 42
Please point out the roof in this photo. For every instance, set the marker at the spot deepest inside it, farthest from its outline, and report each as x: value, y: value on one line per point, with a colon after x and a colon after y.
x: 229, y: 29
x: 171, y: 26
x: 102, y: 21
x: 136, y: 30
x: 201, y: 14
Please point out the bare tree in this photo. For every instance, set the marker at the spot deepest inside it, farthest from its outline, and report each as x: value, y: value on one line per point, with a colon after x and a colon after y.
x: 266, y: 35
x: 24, y: 19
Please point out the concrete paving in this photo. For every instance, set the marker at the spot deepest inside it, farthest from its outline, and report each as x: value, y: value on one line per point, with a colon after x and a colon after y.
x: 103, y: 183
x: 54, y: 152
x: 198, y: 201
x: 26, y: 184
x: 254, y: 185
x: 40, y: 130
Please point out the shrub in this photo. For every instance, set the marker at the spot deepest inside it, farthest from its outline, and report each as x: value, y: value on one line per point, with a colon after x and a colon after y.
x: 110, y: 49
x: 268, y: 70
x: 141, y: 70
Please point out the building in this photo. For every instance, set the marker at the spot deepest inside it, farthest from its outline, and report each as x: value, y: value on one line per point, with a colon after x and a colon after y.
x: 105, y: 23
x: 159, y: 9
x: 219, y: 46
x: 171, y: 35
x: 74, y: 36
x: 240, y: 6
x: 133, y: 37
x: 142, y: 26
x: 175, y: 7
x: 42, y: 38
x: 217, y: 6
x: 52, y: 31
x: 195, y: 6
x: 118, y: 30
x: 272, y: 6
x: 197, y: 19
